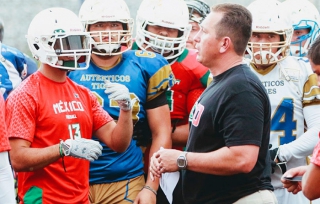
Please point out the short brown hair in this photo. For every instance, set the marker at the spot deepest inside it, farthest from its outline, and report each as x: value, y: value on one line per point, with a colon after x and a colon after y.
x: 314, y: 51
x: 236, y: 23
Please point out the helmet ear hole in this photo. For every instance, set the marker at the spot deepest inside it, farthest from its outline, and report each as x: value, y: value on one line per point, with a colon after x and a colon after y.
x: 36, y: 46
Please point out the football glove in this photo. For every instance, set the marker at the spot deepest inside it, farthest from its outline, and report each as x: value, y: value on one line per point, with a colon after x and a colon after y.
x: 119, y: 93
x: 81, y: 148
x: 275, y: 161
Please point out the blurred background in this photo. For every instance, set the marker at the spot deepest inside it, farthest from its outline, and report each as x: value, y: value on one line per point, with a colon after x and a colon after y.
x: 17, y: 15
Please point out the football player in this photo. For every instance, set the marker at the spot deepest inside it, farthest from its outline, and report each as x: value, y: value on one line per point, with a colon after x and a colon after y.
x: 292, y: 89
x: 51, y: 119
x: 198, y: 10
x: 119, y: 177
x: 162, y: 26
x: 305, y: 19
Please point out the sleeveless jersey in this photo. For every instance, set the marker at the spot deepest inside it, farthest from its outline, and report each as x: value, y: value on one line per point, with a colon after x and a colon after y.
x: 44, y: 112
x: 288, y: 98
x: 146, y: 75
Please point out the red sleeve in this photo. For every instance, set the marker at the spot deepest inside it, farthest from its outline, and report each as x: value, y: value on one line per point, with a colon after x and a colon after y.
x: 100, y: 116
x: 192, y: 97
x: 4, y: 141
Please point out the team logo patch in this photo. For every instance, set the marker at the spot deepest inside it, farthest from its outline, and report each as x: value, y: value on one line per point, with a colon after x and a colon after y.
x: 292, y: 73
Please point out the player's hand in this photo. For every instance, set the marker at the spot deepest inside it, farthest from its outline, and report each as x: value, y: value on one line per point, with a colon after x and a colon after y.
x: 273, y: 157
x: 119, y: 93
x: 81, y: 148
x: 293, y: 186
x: 275, y: 161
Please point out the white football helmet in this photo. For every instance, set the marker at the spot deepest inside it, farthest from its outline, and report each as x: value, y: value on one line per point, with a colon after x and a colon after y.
x: 58, y: 33
x: 165, y: 13
x: 93, y: 11
x: 199, y: 6
x: 303, y: 14
x: 269, y: 18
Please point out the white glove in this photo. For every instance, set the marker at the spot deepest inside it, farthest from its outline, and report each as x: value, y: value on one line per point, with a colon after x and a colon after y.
x: 81, y: 148
x: 119, y: 93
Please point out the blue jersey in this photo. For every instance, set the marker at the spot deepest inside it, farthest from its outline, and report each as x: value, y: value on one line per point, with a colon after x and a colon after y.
x: 13, y: 69
x: 32, y: 66
x: 146, y: 75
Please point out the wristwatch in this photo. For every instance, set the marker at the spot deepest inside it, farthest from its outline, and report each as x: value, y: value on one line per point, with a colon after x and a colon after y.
x: 182, y: 161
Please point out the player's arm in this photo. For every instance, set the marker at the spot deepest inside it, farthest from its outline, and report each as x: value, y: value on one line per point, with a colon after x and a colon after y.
x: 159, y: 123
x: 180, y: 133
x: 118, y: 135
x: 310, y: 181
x: 25, y: 158
x: 304, y: 145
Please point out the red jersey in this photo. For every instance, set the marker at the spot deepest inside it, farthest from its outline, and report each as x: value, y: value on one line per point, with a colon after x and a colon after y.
x: 190, y: 75
x: 44, y: 112
x: 4, y: 141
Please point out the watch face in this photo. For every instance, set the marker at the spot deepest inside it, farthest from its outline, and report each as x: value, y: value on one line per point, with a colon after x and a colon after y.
x: 181, y: 162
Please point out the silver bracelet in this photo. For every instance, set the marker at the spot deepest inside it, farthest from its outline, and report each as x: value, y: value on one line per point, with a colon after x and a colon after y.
x: 149, y: 188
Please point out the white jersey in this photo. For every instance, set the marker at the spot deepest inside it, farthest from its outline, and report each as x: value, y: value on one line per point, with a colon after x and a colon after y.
x: 292, y: 89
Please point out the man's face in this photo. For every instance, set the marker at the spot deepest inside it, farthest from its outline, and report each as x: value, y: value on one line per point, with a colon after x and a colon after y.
x: 264, y: 47
x: 106, y: 36
x: 266, y: 39
x: 163, y: 36
x: 316, y: 70
x: 207, y: 44
x: 194, y: 30
x: 163, y: 31
x: 298, y: 33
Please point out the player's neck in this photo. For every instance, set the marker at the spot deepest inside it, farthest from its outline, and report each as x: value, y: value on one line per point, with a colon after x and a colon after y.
x: 105, y: 62
x: 55, y: 74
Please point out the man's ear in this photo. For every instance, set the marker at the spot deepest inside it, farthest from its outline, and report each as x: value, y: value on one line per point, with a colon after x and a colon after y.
x: 225, y: 44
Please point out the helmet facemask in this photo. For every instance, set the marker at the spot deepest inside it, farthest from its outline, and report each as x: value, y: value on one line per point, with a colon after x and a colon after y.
x: 301, y: 46
x: 269, y: 19
x: 107, y: 41
x: 169, y: 47
x: 167, y: 14
x: 112, y: 42
x: 263, y: 53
